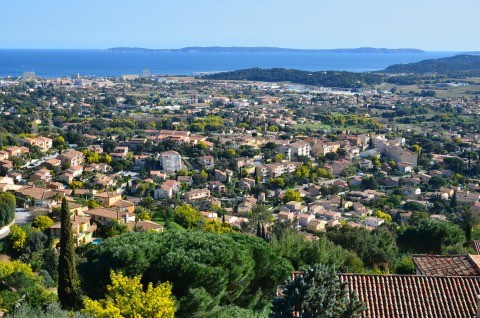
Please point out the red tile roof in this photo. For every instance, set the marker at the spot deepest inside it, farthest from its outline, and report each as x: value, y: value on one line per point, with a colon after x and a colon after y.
x: 446, y: 265
x: 412, y: 296
x: 145, y: 225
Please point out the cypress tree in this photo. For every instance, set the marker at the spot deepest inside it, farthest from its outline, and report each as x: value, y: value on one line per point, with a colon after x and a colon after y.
x: 453, y: 200
x: 67, y: 273
x: 259, y: 230
x: 143, y: 172
x: 264, y: 236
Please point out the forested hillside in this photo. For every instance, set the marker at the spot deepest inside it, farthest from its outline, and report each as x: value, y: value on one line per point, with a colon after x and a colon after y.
x: 327, y: 78
x: 459, y: 65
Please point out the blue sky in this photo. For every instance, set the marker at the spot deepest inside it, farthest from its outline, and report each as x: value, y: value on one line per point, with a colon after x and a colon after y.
x: 440, y: 25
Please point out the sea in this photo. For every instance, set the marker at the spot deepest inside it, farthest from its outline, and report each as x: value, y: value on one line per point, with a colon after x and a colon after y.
x: 101, y: 63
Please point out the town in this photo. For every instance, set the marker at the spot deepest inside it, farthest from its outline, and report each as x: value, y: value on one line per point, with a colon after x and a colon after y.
x: 372, y: 181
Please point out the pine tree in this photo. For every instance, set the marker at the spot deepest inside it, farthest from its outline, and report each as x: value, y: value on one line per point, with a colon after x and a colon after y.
x: 67, y: 273
x: 317, y: 292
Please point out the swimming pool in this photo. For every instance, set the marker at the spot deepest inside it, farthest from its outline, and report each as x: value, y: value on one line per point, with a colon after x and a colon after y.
x: 97, y: 241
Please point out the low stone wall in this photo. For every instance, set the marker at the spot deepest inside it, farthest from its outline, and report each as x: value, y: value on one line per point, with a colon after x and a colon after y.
x: 4, y: 231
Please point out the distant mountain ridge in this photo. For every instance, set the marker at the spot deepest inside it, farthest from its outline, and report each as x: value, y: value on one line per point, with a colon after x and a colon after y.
x: 240, y: 49
x: 458, y: 65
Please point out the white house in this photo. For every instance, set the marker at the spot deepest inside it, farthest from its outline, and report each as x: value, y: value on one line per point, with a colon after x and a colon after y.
x: 171, y: 161
x: 373, y: 221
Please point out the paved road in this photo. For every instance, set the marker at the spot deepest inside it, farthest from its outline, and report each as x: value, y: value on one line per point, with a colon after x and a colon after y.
x: 22, y: 216
x: 38, y: 162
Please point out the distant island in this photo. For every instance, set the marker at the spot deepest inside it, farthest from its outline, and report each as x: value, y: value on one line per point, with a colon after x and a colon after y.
x: 239, y: 49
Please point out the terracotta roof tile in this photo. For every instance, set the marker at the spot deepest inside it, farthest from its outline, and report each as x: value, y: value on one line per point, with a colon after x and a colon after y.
x: 412, y: 296
x: 446, y: 265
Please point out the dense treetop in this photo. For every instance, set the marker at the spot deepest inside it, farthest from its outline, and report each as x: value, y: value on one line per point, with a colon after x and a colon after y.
x: 206, y: 270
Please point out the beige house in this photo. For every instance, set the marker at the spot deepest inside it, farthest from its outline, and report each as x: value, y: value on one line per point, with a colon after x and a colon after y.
x: 158, y: 176
x: 296, y: 206
x: 106, y: 216
x: 167, y: 190
x: 72, y: 158
x: 322, y: 148
x: 7, y: 184
x: 316, y: 225
x: 246, y: 183
x: 81, y: 227
x: 17, y: 151
x: 119, y: 153
x: 285, y: 215
x: 196, y: 194
x: 207, y: 162
x: 43, y: 142
x: 305, y: 218
x: 107, y: 199
x: 373, y: 221
x: 124, y: 206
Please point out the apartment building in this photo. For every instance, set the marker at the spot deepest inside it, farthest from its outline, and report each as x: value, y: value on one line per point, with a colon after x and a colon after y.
x: 43, y: 142
x: 275, y: 170
x: 72, y: 157
x: 171, y: 161
x: 296, y: 149
x: 399, y: 154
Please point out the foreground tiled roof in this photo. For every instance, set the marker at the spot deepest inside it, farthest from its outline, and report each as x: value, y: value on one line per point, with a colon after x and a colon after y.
x: 412, y: 296
x: 446, y: 265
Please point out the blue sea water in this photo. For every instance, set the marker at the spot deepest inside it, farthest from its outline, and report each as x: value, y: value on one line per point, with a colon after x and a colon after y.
x: 59, y: 63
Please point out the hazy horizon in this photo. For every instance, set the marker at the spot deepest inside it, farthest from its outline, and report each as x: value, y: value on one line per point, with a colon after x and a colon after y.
x: 238, y: 46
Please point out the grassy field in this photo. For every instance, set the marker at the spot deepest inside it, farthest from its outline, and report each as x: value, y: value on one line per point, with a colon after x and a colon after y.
x: 441, y: 92
x: 328, y: 127
x: 471, y: 79
x: 311, y: 126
